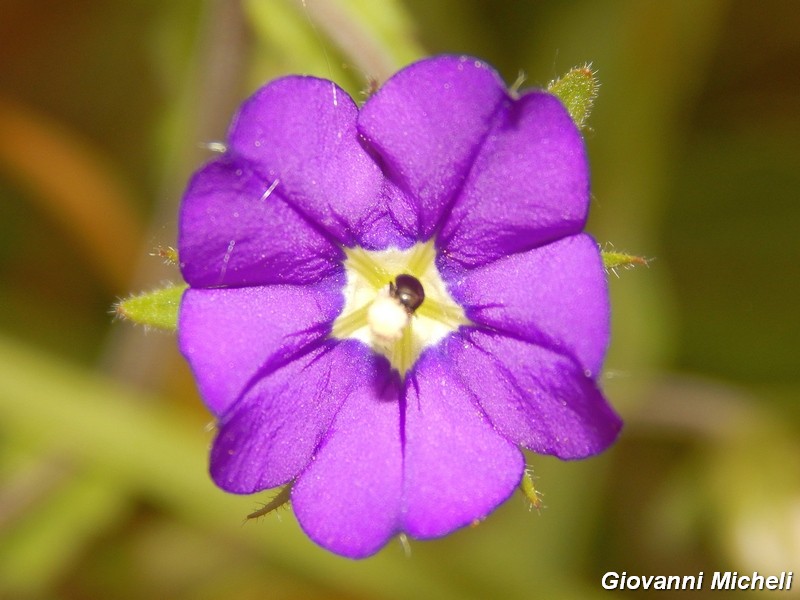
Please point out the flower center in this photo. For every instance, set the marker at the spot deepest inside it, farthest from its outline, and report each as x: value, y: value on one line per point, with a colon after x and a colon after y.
x: 391, y: 311
x: 397, y: 303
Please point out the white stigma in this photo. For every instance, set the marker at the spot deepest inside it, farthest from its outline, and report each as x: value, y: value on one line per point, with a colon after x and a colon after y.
x: 387, y: 317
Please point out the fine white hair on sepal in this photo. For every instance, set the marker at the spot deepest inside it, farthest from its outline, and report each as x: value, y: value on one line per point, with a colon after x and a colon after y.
x: 387, y: 317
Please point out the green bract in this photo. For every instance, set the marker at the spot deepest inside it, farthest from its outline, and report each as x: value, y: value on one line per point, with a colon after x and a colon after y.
x: 157, y: 309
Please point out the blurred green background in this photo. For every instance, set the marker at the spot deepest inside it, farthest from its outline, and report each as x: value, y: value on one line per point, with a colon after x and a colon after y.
x: 104, y: 110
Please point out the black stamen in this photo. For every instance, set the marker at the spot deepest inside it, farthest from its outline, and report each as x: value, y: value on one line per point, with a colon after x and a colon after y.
x: 408, y: 291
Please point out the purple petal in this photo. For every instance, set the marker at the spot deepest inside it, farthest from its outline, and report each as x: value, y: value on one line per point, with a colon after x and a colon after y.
x: 555, y: 296
x: 529, y: 185
x: 457, y: 467
x: 270, y: 434
x: 395, y: 220
x: 427, y: 123
x: 534, y: 396
x: 301, y: 132
x: 235, y: 230
x: 231, y: 335
x: 348, y: 500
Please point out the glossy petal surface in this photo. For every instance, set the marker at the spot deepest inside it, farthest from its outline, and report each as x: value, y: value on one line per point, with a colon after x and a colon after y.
x: 427, y: 123
x: 534, y: 396
x: 269, y: 436
x: 555, y: 296
x: 457, y: 467
x: 235, y: 231
x: 231, y: 336
x: 301, y: 132
x: 528, y: 185
x: 348, y: 499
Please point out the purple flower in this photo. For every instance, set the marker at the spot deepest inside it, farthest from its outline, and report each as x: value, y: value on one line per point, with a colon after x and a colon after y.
x: 386, y: 303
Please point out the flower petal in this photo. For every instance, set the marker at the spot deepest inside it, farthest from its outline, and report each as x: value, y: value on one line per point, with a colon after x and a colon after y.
x: 269, y: 436
x: 555, y: 295
x: 528, y: 185
x: 301, y: 132
x: 534, y: 396
x: 457, y: 467
x: 348, y: 499
x: 229, y: 336
x: 235, y: 229
x: 427, y: 123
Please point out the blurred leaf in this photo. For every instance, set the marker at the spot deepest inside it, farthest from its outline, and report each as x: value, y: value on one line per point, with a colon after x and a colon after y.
x: 39, y: 548
x: 287, y: 42
x: 26, y: 480
x: 155, y: 309
x: 733, y: 247
x: 75, y: 186
x: 375, y: 37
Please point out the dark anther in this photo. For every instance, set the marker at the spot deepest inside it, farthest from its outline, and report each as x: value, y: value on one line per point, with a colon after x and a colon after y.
x: 407, y: 290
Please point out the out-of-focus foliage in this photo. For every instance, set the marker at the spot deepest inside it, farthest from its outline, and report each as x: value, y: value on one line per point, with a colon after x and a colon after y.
x: 107, y: 107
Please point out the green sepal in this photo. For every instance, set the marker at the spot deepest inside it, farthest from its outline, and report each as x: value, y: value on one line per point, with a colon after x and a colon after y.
x: 157, y: 309
x: 529, y: 489
x: 577, y: 90
x: 166, y: 253
x: 282, y: 498
x: 617, y: 260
